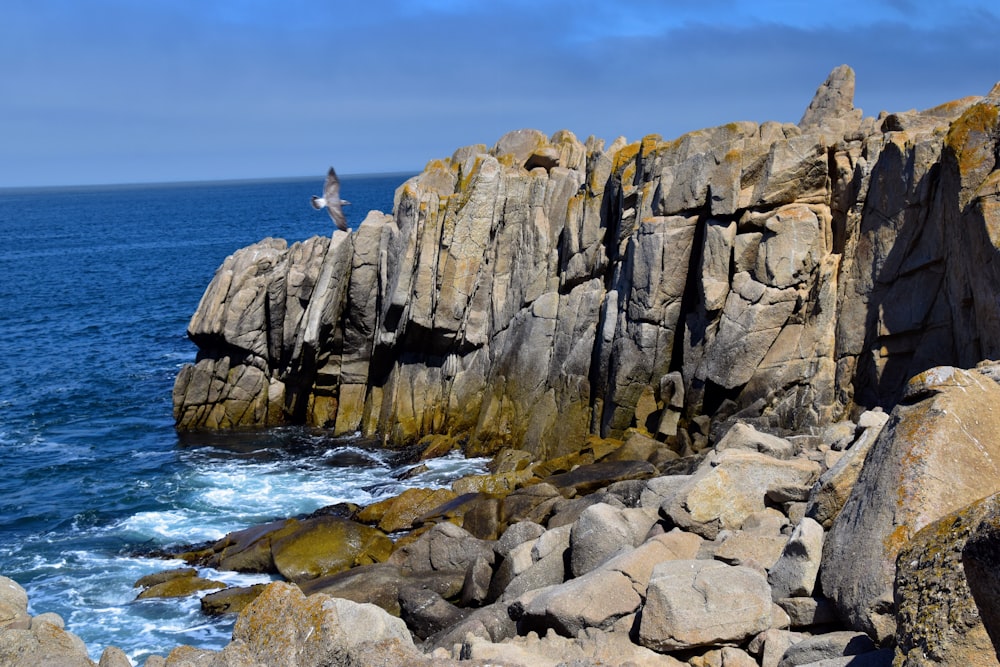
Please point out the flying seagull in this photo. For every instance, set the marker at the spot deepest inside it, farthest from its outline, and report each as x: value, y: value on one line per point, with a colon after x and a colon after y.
x: 331, y: 200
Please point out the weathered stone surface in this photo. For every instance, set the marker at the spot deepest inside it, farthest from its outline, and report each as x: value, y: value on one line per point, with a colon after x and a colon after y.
x: 284, y: 628
x: 745, y: 436
x: 445, y: 547
x: 604, y: 595
x: 593, y: 647
x: 794, y: 575
x: 691, y: 603
x: 532, y: 293
x: 326, y: 545
x: 731, y: 486
x: 230, y: 600
x: 979, y: 562
x: 179, y: 583
x: 937, y: 619
x: 42, y: 644
x: 13, y: 602
x: 425, y: 611
x: 826, y: 646
x: 938, y: 453
x: 834, y: 486
x: 399, y: 512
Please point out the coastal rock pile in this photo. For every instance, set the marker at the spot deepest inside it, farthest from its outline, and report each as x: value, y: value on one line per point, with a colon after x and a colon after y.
x: 764, y: 552
x: 736, y: 387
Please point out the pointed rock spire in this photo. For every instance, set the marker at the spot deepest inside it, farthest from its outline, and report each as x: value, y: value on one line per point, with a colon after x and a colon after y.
x: 833, y: 100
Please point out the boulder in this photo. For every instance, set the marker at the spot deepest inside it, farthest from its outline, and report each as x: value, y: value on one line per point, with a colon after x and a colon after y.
x: 938, y: 453
x: 826, y: 646
x: 730, y: 486
x: 693, y: 603
x: 13, y: 602
x: 42, y: 643
x: 745, y: 436
x: 399, y: 512
x: 602, y: 531
x: 832, y: 489
x: 425, y: 611
x: 326, y: 545
x: 794, y: 575
x: 588, y: 478
x: 283, y: 627
x: 979, y: 563
x: 231, y: 600
x: 591, y: 647
x: 750, y: 549
x: 444, y: 548
x: 174, y: 583
x: 599, y: 598
x: 937, y: 618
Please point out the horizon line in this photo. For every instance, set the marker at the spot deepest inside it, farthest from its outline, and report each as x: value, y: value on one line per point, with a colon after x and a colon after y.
x: 209, y: 181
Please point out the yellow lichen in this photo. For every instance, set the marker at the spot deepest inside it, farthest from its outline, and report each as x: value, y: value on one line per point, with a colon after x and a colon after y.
x: 970, y: 136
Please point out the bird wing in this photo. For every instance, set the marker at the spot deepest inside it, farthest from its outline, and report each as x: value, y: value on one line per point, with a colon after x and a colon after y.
x: 331, y: 189
x: 331, y: 193
x: 337, y: 214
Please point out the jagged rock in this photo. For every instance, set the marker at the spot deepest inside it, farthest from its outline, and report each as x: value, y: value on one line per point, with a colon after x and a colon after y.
x: 529, y: 294
x: 938, y: 453
x: 230, y: 600
x: 794, y: 575
x: 592, y: 647
x: 937, y: 619
x: 745, y: 436
x: 602, y: 596
x: 979, y: 562
x: 399, y: 512
x: 834, y: 486
x: 284, y: 627
x: 693, y: 603
x: 826, y: 646
x: 445, y: 547
x: 834, y: 101
x: 730, y: 487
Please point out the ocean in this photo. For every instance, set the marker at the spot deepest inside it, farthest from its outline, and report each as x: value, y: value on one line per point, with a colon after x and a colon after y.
x: 98, y: 286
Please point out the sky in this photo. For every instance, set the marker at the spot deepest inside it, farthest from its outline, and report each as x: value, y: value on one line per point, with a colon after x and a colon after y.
x: 134, y: 91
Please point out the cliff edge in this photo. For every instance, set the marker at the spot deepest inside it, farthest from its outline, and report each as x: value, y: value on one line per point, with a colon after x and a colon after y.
x: 533, y: 293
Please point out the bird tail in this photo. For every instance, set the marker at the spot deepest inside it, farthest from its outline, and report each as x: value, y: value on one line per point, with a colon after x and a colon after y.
x: 318, y: 202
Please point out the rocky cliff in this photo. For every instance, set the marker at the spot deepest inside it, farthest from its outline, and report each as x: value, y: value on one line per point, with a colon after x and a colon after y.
x: 532, y: 293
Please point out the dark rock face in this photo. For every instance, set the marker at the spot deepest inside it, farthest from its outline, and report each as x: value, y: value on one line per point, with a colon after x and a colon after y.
x: 547, y: 288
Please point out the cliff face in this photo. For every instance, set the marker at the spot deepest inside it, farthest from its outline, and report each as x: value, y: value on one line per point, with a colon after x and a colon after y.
x: 545, y: 289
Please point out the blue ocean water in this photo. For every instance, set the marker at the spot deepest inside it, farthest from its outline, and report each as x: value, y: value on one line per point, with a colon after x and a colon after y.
x: 98, y: 286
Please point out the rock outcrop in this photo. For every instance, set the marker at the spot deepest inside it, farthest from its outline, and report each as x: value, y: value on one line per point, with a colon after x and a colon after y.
x: 544, y: 289
x: 734, y: 384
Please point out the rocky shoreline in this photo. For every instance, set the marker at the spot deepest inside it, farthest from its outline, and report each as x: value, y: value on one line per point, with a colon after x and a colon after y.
x: 736, y: 388
x: 869, y: 543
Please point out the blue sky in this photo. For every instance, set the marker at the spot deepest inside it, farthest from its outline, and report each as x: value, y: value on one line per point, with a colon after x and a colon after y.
x: 112, y: 91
